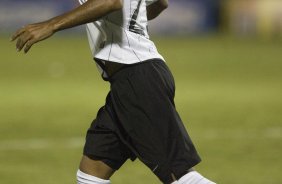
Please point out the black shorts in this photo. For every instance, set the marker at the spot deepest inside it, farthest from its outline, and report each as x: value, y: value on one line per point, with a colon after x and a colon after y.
x: 139, y: 120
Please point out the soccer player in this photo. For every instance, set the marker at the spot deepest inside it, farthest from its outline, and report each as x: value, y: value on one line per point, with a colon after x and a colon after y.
x: 139, y: 119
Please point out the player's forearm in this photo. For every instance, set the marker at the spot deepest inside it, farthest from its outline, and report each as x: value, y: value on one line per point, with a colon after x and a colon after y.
x: 156, y: 8
x: 90, y: 11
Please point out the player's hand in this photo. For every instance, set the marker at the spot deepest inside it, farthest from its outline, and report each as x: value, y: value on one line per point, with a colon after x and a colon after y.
x: 31, y: 34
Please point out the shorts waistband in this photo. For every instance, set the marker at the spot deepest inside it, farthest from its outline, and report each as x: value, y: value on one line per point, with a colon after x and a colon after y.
x: 118, y: 73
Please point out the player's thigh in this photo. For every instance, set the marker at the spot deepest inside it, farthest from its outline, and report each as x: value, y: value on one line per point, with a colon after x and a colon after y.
x: 103, y: 152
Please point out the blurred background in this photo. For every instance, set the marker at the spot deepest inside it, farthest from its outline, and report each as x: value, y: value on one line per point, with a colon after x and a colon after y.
x: 226, y: 56
x: 241, y: 17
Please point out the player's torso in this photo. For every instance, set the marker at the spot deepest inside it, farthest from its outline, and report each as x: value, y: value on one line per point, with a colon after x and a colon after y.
x: 122, y: 36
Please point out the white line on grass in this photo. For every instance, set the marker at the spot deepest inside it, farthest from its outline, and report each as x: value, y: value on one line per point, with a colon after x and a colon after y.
x: 37, y: 144
x: 272, y: 133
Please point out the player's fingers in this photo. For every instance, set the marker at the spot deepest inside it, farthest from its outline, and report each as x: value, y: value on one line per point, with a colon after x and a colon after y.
x: 17, y: 33
x: 28, y: 45
x: 22, y: 41
x: 20, y: 44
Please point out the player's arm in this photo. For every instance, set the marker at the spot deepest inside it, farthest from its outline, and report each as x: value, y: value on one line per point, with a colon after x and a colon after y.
x: 90, y: 11
x: 155, y: 9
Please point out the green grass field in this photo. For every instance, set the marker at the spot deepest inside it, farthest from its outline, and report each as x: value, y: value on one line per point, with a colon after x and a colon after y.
x: 228, y: 93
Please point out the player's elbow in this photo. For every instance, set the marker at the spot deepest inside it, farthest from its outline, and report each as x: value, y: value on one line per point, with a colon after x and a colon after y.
x: 115, y: 4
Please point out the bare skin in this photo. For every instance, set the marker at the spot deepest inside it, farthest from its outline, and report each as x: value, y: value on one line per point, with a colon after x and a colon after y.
x: 95, y: 168
x: 155, y: 9
x: 90, y: 11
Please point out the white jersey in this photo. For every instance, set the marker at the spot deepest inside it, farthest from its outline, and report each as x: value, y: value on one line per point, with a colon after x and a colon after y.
x: 122, y: 36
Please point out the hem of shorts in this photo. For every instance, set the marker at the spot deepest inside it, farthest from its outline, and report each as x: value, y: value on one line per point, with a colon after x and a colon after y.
x: 104, y: 160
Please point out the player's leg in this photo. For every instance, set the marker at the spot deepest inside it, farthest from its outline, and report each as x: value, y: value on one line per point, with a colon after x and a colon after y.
x: 96, y: 168
x: 103, y: 152
x: 93, y: 172
x: 191, y: 176
x: 143, y: 98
